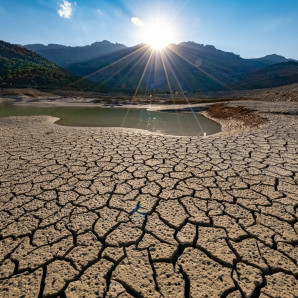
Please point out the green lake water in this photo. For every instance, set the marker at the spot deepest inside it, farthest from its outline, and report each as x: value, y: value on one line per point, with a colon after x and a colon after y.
x: 171, y: 123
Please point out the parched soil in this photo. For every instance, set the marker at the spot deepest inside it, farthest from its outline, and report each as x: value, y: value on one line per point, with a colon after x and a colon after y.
x: 110, y: 212
x: 241, y: 113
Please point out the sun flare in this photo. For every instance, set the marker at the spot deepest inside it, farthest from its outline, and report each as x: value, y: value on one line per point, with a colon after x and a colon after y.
x: 158, y: 34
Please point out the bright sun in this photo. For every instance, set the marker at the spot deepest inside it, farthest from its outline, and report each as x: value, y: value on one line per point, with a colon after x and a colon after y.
x: 158, y: 34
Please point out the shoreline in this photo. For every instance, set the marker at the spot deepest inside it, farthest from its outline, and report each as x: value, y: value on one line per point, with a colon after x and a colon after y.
x: 229, y: 127
x: 153, y: 107
x: 85, y: 103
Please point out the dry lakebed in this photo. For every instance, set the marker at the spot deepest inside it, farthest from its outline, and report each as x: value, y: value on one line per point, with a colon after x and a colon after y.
x: 123, y: 212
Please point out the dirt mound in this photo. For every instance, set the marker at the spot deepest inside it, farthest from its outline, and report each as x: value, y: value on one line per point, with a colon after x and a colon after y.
x: 222, y: 111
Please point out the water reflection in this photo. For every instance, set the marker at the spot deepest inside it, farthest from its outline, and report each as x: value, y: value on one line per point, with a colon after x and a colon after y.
x: 172, y: 123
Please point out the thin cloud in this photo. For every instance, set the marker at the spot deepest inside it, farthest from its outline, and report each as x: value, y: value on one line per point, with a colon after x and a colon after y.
x: 65, y: 10
x: 100, y: 12
x: 136, y: 21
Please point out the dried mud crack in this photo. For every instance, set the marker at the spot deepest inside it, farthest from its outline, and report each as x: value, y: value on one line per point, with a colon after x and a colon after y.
x: 99, y: 212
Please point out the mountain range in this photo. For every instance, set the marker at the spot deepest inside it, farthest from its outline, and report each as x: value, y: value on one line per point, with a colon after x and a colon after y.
x: 20, y: 67
x: 187, y: 66
x: 64, y: 55
x: 275, y: 75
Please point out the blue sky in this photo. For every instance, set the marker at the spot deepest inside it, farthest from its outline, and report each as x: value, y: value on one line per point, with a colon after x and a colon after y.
x: 251, y: 28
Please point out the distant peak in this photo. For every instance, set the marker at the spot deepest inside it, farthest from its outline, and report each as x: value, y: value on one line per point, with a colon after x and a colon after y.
x: 193, y: 44
x: 190, y: 43
x: 38, y: 46
x: 274, y: 56
x: 104, y: 42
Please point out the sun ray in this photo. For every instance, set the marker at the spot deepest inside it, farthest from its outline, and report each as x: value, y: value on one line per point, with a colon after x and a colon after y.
x: 175, y: 67
x: 147, y: 51
x: 201, y: 70
x: 133, y: 64
x: 170, y: 88
x: 107, y: 66
x: 150, y: 67
x: 186, y: 98
x: 141, y: 79
x: 138, y: 87
x: 155, y: 77
x: 166, y: 74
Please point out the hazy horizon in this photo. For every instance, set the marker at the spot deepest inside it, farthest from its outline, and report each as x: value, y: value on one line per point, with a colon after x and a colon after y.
x: 250, y: 29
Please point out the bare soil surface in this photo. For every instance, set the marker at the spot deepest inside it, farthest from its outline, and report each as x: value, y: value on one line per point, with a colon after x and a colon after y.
x: 105, y: 212
x: 283, y: 93
x: 239, y: 113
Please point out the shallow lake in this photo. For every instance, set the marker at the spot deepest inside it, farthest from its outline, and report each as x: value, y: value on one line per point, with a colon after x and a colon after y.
x: 171, y: 123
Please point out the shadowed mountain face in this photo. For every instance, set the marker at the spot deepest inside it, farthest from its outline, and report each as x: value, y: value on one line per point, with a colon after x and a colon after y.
x: 20, y: 67
x: 184, y: 67
x: 63, y: 55
x: 187, y: 66
x: 272, y: 76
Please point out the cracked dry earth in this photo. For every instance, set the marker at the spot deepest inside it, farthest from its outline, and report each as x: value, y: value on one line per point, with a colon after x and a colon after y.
x: 102, y: 212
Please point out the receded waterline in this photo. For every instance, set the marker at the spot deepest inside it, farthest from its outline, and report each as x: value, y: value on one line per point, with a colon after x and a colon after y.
x: 168, y: 122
